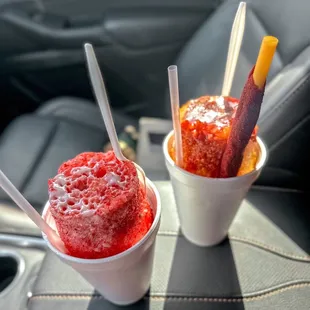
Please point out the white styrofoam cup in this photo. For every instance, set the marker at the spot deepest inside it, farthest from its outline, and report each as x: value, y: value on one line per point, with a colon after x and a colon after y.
x: 207, y: 206
x: 123, y: 278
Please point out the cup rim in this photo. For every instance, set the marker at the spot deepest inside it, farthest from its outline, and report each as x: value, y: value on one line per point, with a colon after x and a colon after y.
x: 151, y: 186
x: 259, y: 165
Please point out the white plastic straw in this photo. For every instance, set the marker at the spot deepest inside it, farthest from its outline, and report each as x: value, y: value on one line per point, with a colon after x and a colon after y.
x: 22, y: 203
x: 102, y: 98
x: 175, y: 109
x: 235, y: 42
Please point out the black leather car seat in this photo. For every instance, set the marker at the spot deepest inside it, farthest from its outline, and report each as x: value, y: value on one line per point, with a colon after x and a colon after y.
x: 284, y: 120
x: 33, y: 146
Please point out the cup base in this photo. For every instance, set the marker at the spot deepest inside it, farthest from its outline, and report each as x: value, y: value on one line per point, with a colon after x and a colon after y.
x: 208, y: 243
x: 126, y: 302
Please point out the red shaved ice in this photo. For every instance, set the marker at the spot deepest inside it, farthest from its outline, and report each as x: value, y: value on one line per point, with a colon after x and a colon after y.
x: 99, y: 205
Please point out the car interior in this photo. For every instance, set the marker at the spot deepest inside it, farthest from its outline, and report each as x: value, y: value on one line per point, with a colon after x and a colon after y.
x: 49, y: 115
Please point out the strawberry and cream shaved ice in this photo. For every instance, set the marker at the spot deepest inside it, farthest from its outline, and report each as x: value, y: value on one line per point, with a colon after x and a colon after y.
x: 99, y: 205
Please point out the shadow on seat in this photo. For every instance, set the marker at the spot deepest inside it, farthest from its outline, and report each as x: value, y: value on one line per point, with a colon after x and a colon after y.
x: 203, y: 277
x: 288, y: 210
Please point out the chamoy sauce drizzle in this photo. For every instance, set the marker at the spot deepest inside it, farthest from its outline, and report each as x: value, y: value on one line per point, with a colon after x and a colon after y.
x: 206, y: 123
x: 99, y: 205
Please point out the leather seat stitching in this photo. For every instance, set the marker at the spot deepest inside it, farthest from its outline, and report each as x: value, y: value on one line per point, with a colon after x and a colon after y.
x: 178, y: 298
x: 270, y: 248
x: 252, y: 242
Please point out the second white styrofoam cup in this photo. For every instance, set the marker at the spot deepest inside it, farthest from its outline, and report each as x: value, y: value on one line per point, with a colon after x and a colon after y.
x: 207, y: 206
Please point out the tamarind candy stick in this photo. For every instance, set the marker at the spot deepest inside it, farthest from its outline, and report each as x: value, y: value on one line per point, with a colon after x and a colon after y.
x: 248, y: 110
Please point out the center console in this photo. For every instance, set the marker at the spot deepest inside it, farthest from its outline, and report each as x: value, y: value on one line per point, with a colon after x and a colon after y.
x: 264, y: 264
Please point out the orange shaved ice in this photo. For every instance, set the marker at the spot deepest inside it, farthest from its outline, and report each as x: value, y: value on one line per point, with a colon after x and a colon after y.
x: 206, y: 123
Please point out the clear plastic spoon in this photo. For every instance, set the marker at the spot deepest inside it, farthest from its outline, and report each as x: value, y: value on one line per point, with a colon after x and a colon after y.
x: 104, y: 105
x: 102, y: 98
x: 235, y: 42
